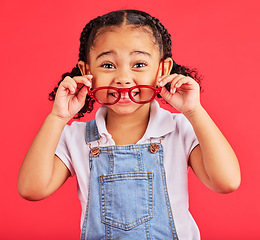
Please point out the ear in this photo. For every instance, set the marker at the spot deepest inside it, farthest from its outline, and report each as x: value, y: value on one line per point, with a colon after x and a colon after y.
x: 166, y: 70
x: 84, y: 68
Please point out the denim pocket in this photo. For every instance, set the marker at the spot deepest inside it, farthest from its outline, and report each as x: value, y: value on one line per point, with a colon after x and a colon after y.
x: 126, y: 199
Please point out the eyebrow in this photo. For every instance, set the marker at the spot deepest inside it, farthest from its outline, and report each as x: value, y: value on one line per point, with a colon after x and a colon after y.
x: 132, y: 53
x: 104, y: 53
x: 141, y: 52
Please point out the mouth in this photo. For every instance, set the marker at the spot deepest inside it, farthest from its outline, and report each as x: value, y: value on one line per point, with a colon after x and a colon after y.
x: 124, y: 99
x: 113, y: 94
x: 124, y: 96
x: 134, y: 94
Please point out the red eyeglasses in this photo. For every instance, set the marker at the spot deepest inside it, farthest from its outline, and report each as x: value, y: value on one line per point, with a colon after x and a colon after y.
x: 140, y: 94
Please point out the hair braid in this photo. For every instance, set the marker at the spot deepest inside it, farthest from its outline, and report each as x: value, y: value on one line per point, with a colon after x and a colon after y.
x: 167, y: 52
x: 88, y: 107
x: 87, y: 37
x: 129, y: 17
x: 165, y: 36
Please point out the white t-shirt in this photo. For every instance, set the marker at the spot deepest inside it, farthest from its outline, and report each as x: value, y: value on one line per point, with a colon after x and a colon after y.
x: 178, y: 143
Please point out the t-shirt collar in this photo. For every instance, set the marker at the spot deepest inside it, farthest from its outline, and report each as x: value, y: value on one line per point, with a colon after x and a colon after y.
x: 160, y: 122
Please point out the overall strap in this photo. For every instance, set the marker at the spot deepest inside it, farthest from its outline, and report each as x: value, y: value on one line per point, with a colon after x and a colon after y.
x: 92, y: 133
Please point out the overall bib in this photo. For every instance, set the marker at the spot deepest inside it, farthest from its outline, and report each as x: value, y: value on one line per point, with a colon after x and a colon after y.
x: 128, y: 196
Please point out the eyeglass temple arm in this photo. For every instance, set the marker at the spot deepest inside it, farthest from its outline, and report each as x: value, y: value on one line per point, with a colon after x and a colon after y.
x: 162, y: 67
x: 162, y: 61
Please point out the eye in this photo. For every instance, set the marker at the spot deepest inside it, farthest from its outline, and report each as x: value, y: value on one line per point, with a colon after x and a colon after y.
x: 140, y: 65
x: 108, y: 65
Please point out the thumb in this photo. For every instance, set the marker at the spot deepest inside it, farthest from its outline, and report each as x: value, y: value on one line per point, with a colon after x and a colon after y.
x: 166, y: 95
x: 82, y: 94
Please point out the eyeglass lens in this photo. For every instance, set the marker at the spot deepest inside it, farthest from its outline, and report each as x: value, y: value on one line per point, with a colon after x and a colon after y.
x: 138, y: 94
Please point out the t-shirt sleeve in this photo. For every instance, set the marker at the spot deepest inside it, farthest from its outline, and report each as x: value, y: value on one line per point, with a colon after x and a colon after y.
x: 63, y: 149
x: 189, y: 136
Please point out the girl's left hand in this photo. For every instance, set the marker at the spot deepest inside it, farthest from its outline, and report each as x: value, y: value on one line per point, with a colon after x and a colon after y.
x: 184, y: 95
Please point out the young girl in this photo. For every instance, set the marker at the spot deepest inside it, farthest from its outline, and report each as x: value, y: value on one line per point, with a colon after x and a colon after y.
x: 131, y: 161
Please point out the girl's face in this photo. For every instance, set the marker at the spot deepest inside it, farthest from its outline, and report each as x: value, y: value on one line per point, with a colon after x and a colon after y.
x: 122, y: 58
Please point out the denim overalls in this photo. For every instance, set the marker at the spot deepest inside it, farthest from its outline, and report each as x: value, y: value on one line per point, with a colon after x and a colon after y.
x: 128, y: 196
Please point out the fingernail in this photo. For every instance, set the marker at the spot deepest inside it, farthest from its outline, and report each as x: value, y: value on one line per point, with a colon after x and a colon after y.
x: 88, y: 84
x: 173, y: 90
x: 161, y: 84
x: 178, y: 85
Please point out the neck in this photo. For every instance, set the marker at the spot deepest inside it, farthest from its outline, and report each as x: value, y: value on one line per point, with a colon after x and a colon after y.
x: 129, y: 128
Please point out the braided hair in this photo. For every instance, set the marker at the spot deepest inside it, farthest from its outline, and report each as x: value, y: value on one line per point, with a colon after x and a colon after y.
x: 134, y: 18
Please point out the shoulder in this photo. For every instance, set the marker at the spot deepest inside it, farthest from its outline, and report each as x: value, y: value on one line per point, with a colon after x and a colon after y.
x: 74, y: 130
x: 183, y: 128
x: 75, y: 126
x: 164, y: 117
x: 181, y: 122
x: 183, y: 136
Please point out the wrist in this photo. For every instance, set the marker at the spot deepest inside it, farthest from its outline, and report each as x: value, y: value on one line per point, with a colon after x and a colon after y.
x: 196, y: 112
x: 57, y: 119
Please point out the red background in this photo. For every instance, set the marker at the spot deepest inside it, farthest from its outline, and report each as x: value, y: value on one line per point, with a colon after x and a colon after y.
x: 40, y: 41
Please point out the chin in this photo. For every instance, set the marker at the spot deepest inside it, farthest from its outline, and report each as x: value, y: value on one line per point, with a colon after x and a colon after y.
x: 127, y: 109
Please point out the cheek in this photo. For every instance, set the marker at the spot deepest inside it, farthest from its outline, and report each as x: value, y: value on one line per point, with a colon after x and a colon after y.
x: 96, y: 83
x: 148, y: 78
x: 100, y: 80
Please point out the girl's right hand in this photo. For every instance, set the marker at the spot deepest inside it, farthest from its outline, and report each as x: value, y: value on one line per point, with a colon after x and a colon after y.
x: 71, y: 96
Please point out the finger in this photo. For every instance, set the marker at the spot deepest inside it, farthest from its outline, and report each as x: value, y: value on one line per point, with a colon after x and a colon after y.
x: 82, y: 94
x: 186, y: 81
x: 165, y: 94
x: 177, y: 82
x: 68, y: 83
x: 75, y: 84
x: 173, y: 79
x: 166, y: 79
x: 86, y: 80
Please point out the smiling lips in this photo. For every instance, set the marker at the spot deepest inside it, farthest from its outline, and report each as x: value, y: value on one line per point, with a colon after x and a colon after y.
x: 140, y: 94
x: 124, y: 97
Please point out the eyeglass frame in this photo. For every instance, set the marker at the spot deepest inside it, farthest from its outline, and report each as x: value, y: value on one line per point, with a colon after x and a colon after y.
x: 156, y: 90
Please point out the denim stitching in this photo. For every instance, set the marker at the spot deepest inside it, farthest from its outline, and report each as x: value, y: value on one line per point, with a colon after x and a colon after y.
x: 97, y: 136
x: 147, y: 230
x: 151, y: 204
x: 109, y: 235
x: 139, y: 160
x: 102, y: 200
x: 117, y: 224
x: 106, y: 178
x: 169, y: 210
x: 150, y: 191
x: 92, y: 132
x: 134, y: 175
x: 90, y: 162
x: 87, y: 132
x: 83, y: 231
x: 111, y: 162
x: 124, y: 147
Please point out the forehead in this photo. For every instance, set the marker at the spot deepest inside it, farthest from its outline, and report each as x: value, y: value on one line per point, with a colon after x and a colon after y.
x: 125, y: 38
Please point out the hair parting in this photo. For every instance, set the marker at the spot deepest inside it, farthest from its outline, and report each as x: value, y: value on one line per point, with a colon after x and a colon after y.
x: 134, y: 18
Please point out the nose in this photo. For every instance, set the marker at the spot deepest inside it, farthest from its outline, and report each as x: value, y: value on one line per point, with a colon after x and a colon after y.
x: 123, y: 79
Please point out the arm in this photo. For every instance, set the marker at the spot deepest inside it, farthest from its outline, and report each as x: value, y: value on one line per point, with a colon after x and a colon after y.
x: 42, y: 172
x: 213, y: 160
